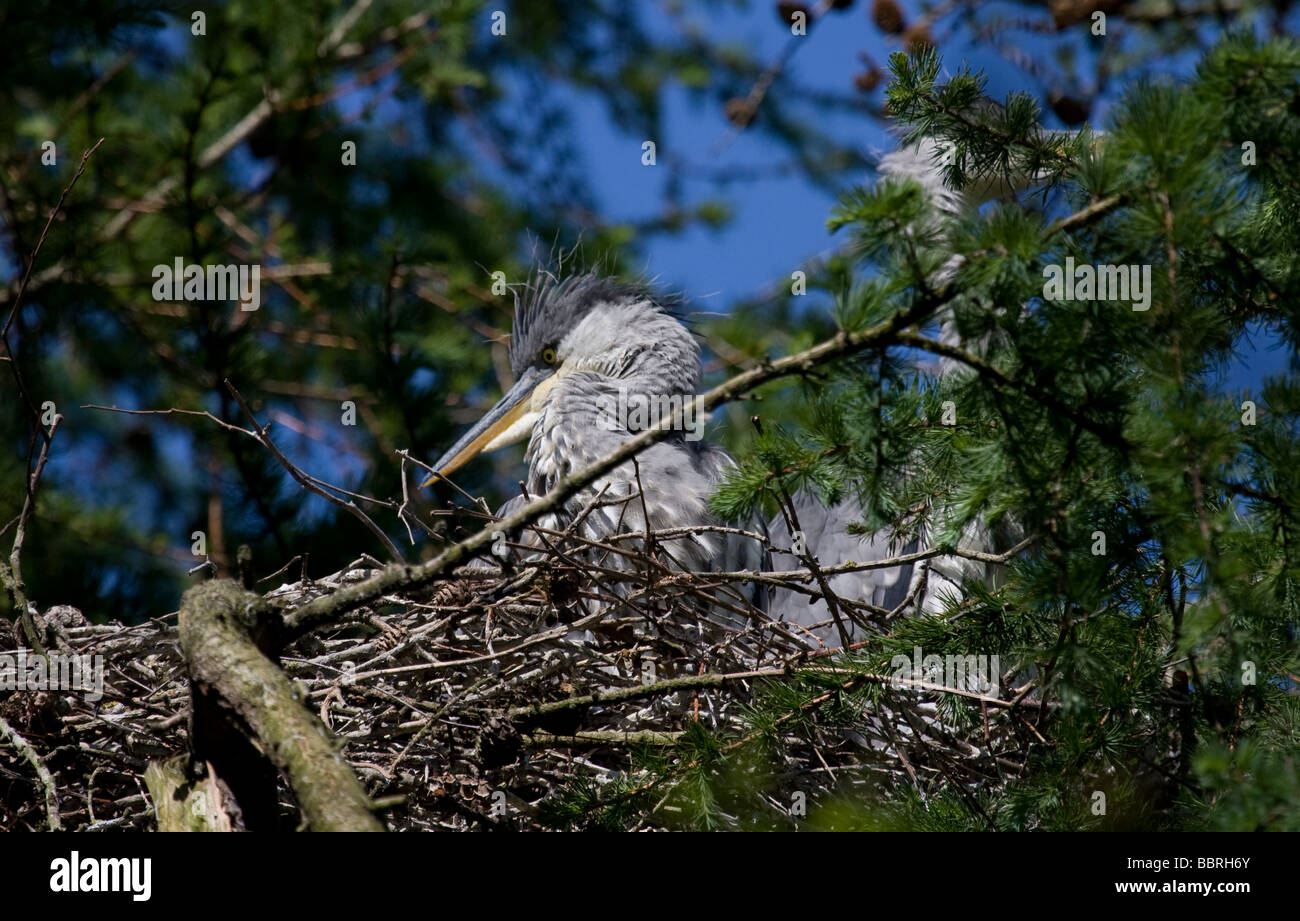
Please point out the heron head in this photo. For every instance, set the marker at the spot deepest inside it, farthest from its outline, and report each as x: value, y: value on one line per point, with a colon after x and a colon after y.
x: 618, y: 332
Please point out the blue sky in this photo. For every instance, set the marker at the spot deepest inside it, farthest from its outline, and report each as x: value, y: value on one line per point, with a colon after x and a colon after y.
x: 780, y: 222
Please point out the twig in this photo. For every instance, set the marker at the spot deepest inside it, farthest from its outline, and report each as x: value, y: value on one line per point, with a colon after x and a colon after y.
x: 604, y: 737
x: 172, y: 412
x: 12, y: 574
x: 310, y: 483
x: 31, y: 263
x: 792, y: 520
x: 689, y: 683
x: 47, y: 782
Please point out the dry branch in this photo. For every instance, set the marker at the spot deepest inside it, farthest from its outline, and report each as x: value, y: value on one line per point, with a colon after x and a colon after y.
x: 218, y: 621
x: 24, y: 748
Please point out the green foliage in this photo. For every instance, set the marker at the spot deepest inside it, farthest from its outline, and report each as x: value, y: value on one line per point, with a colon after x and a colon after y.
x: 1165, y: 667
x: 1166, y: 662
x: 467, y: 163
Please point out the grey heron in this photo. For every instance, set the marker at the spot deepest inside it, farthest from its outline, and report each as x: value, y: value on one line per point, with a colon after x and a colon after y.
x: 597, y: 360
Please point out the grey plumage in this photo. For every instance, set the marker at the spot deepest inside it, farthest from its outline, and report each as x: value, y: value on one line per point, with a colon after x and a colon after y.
x: 612, y: 344
x: 612, y: 357
x: 586, y: 348
x: 931, y: 583
x: 619, y: 341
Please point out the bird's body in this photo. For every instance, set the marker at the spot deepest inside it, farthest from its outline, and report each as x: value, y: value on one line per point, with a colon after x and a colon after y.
x: 602, y: 360
x: 598, y: 360
x: 929, y: 585
x: 641, y: 356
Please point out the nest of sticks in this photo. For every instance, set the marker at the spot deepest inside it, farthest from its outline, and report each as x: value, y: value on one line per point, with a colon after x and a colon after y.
x: 562, y: 693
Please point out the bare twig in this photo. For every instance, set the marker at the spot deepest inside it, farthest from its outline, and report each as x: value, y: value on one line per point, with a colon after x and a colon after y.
x: 12, y: 574
x: 310, y: 483
x: 23, y: 748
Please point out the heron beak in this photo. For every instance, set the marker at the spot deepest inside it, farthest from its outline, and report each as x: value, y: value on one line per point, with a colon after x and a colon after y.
x: 511, y: 420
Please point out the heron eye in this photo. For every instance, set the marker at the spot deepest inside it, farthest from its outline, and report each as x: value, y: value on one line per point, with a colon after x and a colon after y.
x: 548, y: 356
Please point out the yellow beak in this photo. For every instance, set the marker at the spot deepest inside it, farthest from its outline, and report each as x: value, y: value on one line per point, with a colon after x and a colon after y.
x: 509, y: 421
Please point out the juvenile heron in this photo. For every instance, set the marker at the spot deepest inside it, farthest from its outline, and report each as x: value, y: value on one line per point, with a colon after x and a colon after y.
x: 596, y: 361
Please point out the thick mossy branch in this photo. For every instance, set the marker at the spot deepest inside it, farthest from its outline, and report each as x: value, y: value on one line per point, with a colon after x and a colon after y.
x: 182, y: 804
x: 217, y: 624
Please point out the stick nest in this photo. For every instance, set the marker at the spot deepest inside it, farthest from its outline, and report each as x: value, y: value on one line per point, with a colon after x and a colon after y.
x: 547, y: 697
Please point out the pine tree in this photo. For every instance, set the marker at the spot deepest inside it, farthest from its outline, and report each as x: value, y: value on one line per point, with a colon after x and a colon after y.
x: 1144, y: 620
x: 1149, y: 626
